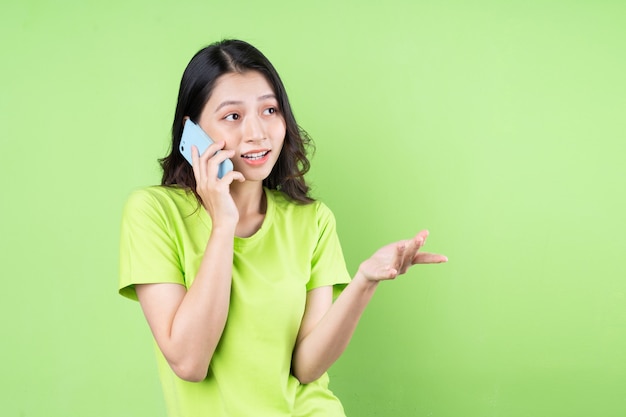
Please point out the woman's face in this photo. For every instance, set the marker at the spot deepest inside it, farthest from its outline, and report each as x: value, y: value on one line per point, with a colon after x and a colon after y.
x: 243, y: 111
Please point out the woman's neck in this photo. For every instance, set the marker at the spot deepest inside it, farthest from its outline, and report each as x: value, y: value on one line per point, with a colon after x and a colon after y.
x: 252, y: 204
x: 249, y: 197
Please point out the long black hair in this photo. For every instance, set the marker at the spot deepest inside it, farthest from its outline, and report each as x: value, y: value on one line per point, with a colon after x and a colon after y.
x: 196, y: 86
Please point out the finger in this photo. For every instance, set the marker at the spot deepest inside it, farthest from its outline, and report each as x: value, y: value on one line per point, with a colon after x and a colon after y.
x: 415, y: 245
x: 203, y: 171
x: 399, y: 254
x: 389, y: 273
x: 422, y: 235
x: 221, y: 156
x: 420, y: 240
x: 207, y: 156
x: 211, y: 161
x: 212, y: 149
x: 195, y: 162
x: 412, y: 247
x: 429, y: 258
x: 213, y: 164
x: 233, y: 176
x: 410, y: 250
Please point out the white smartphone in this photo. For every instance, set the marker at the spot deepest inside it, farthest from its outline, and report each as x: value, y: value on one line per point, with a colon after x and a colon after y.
x: 194, y: 135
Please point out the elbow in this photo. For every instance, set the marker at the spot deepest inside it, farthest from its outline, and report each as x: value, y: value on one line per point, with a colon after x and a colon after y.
x: 187, y: 365
x: 307, y: 368
x: 190, y: 373
x: 304, y: 380
x: 306, y: 376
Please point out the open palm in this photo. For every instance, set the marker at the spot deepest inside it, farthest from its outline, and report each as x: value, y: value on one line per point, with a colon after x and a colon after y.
x: 396, y: 258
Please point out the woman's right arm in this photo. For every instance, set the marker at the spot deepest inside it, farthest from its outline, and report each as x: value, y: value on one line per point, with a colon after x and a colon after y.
x: 188, y: 323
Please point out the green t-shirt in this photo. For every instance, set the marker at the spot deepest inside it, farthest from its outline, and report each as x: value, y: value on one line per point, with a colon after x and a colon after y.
x: 163, y: 237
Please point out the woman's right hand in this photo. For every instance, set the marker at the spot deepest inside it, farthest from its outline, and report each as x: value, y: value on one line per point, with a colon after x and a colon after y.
x: 214, y: 191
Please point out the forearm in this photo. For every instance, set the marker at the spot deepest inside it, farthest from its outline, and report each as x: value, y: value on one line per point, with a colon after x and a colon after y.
x: 199, y: 321
x: 318, y: 350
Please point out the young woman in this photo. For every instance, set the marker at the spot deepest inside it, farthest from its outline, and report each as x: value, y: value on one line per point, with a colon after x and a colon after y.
x: 235, y: 275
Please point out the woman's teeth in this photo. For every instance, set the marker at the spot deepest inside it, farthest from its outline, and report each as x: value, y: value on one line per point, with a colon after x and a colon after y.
x: 257, y: 155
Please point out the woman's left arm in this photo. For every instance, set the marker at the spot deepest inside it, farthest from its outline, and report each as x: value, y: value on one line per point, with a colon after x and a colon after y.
x: 327, y: 327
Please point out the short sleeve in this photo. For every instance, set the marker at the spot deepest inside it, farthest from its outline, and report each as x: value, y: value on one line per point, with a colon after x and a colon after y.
x: 147, y: 245
x: 328, y: 266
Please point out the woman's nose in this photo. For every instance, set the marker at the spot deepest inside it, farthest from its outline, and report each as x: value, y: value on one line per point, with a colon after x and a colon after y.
x: 254, y: 129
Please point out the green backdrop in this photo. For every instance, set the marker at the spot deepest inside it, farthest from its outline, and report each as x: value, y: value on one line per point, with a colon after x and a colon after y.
x: 498, y: 125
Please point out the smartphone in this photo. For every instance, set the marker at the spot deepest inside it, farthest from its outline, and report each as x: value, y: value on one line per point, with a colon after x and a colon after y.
x: 194, y: 135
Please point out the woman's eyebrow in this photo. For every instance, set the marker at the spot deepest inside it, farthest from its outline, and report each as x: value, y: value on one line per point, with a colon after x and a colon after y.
x: 227, y: 103
x: 267, y: 96
x: 235, y: 102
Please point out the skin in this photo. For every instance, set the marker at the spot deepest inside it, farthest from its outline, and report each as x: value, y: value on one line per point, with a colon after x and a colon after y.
x: 242, y: 117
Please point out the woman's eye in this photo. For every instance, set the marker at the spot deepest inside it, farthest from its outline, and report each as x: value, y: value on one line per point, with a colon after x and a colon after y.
x: 231, y: 117
x: 270, y: 110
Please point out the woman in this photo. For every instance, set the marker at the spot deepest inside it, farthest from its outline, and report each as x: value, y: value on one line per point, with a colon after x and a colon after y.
x: 235, y: 275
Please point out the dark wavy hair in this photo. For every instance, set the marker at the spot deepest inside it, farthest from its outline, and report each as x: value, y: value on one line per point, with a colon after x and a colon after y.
x: 196, y: 86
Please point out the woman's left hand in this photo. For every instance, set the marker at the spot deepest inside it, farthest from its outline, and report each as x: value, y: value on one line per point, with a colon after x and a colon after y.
x: 396, y: 258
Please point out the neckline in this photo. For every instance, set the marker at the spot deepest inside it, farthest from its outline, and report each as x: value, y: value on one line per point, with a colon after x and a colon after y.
x: 267, y: 221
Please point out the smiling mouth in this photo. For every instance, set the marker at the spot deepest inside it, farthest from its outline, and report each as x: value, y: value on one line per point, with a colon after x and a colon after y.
x: 255, y: 156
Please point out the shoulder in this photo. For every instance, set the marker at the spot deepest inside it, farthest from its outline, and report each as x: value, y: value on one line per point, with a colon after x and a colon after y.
x: 158, y: 198
x: 158, y: 193
x: 316, y: 212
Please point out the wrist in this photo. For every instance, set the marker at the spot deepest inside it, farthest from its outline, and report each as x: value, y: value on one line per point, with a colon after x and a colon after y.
x: 361, y: 280
x: 226, y: 229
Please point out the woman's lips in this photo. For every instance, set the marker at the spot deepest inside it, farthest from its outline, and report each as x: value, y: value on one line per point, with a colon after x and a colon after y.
x: 256, y: 158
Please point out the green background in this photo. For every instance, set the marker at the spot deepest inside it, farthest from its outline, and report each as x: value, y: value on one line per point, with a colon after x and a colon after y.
x: 498, y: 125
